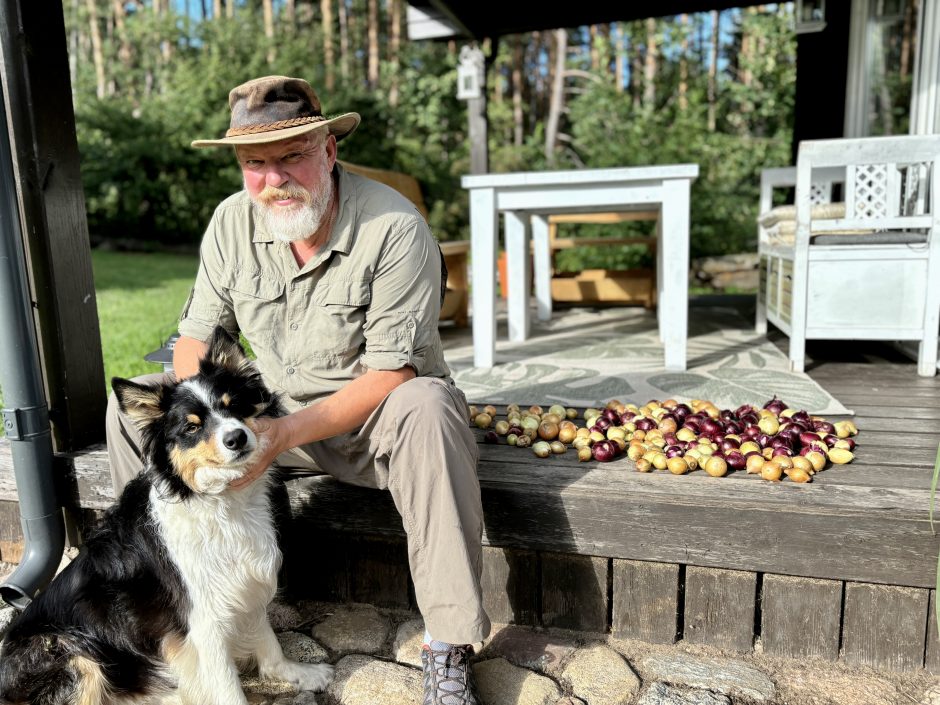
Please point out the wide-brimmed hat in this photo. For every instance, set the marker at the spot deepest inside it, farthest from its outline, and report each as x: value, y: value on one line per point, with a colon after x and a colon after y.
x: 274, y: 108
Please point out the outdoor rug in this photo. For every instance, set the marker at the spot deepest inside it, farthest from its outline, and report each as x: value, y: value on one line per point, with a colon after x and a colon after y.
x: 586, y: 357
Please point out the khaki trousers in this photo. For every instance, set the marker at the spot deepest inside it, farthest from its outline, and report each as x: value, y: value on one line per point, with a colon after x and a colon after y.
x: 416, y: 444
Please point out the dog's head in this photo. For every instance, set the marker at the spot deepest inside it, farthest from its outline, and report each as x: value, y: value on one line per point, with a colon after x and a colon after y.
x: 198, y: 435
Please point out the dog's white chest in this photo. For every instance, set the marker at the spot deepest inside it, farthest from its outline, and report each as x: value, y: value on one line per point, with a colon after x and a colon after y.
x: 225, y: 548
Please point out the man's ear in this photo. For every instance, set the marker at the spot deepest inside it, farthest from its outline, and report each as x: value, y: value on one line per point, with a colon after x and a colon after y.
x: 142, y: 403
x: 225, y: 351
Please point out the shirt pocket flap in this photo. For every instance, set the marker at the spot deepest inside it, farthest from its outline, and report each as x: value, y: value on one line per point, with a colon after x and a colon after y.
x: 255, y: 286
x: 344, y: 293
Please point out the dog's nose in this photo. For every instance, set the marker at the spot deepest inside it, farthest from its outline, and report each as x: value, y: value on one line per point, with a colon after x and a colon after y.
x: 235, y: 439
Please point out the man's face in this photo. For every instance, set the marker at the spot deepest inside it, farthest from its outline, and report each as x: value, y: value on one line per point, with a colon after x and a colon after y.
x: 289, y: 183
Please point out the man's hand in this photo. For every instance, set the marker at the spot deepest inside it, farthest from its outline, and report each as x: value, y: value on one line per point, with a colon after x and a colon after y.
x: 272, y: 441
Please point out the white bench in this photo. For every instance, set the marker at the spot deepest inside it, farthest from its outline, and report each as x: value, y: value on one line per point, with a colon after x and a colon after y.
x: 865, y: 266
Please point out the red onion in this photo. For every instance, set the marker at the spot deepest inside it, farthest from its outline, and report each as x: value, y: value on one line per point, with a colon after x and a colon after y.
x: 824, y: 426
x: 602, y: 424
x: 645, y: 424
x: 729, y: 443
x: 808, y: 438
x: 802, y: 417
x: 491, y: 437
x: 750, y: 433
x: 682, y: 410
x: 735, y: 461
x: 734, y: 427
x: 673, y: 451
x: 693, y: 425
x: 611, y: 415
x: 830, y: 440
x: 749, y: 418
x: 783, y: 450
x: 775, y: 405
x: 711, y: 426
x: 670, y: 439
x: 728, y: 415
x: 850, y: 442
x: 744, y: 409
x: 627, y: 416
x: 514, y: 429
x: 764, y: 440
x: 604, y: 451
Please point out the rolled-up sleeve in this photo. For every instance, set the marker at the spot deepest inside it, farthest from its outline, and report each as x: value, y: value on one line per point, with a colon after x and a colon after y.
x: 401, y: 321
x: 209, y: 304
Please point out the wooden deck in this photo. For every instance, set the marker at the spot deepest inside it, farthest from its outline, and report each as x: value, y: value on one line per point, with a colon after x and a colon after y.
x: 842, y: 567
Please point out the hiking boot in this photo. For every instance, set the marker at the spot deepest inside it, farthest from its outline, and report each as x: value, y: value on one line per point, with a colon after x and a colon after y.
x: 447, y: 678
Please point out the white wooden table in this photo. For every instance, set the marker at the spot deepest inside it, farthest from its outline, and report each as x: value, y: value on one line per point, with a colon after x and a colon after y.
x: 526, y: 199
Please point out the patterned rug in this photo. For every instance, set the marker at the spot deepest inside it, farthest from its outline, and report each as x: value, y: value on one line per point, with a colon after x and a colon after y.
x: 586, y: 357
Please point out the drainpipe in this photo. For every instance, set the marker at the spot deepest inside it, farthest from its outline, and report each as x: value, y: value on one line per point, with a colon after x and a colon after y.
x: 25, y: 413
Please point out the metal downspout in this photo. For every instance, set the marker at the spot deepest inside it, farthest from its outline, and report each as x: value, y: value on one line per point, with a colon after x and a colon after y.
x: 25, y: 413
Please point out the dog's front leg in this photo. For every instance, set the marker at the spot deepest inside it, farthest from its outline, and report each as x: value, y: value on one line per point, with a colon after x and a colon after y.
x: 273, y: 664
x: 206, y: 673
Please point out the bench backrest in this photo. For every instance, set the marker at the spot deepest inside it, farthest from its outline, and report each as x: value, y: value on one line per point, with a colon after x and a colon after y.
x: 406, y: 185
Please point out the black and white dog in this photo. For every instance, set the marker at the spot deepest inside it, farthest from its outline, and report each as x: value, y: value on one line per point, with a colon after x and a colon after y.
x: 169, y: 594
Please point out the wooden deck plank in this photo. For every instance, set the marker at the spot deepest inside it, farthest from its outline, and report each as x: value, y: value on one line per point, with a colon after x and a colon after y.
x: 510, y: 585
x: 646, y: 601
x: 719, y: 608
x: 884, y: 626
x: 574, y: 592
x: 801, y: 617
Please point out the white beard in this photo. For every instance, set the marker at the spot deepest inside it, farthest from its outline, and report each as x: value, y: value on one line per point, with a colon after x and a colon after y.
x: 298, y: 222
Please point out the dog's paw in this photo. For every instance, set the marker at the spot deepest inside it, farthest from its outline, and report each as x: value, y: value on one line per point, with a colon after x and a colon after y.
x: 311, y: 676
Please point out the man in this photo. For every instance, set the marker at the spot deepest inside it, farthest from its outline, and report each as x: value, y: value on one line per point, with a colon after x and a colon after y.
x: 335, y: 281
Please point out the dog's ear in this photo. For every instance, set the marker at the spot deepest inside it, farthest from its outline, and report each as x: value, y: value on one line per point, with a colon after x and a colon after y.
x: 141, y: 402
x: 225, y: 351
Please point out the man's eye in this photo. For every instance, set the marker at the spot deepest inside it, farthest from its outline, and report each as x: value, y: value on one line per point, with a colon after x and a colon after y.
x: 252, y: 163
x: 292, y: 158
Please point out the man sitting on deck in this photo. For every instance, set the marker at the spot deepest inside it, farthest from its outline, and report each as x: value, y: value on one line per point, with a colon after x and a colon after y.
x: 336, y: 283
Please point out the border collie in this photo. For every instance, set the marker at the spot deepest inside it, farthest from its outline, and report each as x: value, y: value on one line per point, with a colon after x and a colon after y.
x: 170, y: 592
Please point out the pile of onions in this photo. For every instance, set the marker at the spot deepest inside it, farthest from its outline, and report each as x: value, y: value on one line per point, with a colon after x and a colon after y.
x: 773, y: 441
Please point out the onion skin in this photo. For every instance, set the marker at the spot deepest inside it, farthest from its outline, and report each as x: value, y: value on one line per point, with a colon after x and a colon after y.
x: 771, y: 471
x: 716, y: 467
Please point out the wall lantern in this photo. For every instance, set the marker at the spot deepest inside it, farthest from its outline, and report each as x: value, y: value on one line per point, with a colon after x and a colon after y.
x: 470, y: 73
x: 810, y: 16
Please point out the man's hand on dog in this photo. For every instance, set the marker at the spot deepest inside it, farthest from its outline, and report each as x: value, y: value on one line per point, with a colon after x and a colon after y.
x: 272, y: 441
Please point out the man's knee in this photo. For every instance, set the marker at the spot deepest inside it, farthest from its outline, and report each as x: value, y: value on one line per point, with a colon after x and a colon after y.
x: 428, y: 400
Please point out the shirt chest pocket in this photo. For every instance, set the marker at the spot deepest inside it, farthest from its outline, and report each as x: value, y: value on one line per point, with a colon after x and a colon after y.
x: 258, y: 304
x: 340, y: 310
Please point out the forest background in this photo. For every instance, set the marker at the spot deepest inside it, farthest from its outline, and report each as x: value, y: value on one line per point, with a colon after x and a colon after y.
x: 149, y: 76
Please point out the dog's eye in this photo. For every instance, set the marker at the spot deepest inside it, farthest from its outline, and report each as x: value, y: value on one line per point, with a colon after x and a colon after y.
x: 192, y: 428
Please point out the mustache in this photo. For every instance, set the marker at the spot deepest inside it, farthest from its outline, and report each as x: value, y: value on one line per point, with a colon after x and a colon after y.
x: 274, y: 193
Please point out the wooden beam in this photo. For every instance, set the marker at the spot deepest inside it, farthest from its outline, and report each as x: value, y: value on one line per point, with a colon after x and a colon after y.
x: 35, y: 72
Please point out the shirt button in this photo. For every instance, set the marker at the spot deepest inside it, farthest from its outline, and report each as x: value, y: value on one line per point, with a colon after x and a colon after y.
x: 411, y: 324
x: 290, y: 370
x: 294, y: 326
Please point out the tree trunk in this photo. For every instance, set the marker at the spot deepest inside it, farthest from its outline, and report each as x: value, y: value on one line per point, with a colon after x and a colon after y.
x: 268, y: 9
x: 518, y: 57
x: 713, y: 72
x: 125, y: 53
x: 684, y: 62
x: 908, y: 41
x: 216, y: 9
x: 326, y: 10
x: 557, y: 102
x: 373, y: 36
x: 636, y: 67
x: 75, y: 41
x: 101, y: 81
x: 595, y: 48
x: 620, y: 56
x: 394, y: 49
x: 230, y: 9
x: 343, y: 41
x: 290, y: 14
x: 650, y: 65
x: 746, y: 58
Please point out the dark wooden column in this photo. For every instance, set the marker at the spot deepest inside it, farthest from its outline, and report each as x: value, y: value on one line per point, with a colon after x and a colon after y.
x: 35, y: 74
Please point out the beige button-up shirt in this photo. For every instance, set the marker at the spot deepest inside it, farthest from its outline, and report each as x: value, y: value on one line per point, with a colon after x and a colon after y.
x: 369, y: 299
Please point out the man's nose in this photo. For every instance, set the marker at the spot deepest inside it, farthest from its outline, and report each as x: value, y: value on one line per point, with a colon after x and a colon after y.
x: 275, y: 176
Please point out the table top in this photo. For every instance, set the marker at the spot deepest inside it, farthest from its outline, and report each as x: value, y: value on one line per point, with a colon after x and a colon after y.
x: 581, y: 176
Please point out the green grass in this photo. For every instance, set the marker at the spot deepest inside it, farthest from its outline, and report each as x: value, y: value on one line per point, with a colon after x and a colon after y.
x: 140, y: 296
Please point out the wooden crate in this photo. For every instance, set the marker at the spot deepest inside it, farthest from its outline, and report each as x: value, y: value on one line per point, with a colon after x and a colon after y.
x: 632, y: 286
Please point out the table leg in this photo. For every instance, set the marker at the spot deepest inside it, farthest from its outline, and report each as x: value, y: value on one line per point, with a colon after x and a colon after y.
x: 483, y: 227
x: 520, y: 280
x: 542, y: 258
x: 674, y: 272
